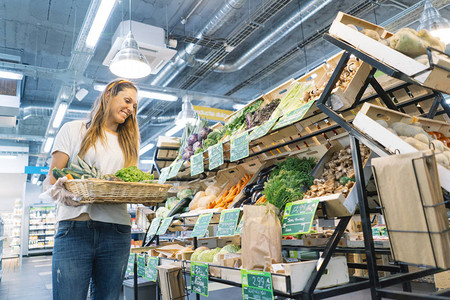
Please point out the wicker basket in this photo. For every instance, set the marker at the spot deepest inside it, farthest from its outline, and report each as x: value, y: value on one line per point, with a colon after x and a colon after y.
x: 116, y: 192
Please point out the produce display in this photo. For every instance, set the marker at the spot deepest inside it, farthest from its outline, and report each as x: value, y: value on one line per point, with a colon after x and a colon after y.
x: 192, y: 139
x: 261, y: 115
x: 204, y: 254
x: 338, y: 175
x: 202, y: 199
x: 227, y: 198
x: 172, y: 202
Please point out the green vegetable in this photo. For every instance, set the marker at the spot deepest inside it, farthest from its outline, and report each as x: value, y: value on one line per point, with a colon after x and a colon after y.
x: 162, y: 212
x: 237, y: 121
x: 75, y: 175
x: 184, y: 193
x: 231, y: 248
x: 206, y: 256
x: 293, y: 100
x: 133, y: 174
x: 289, y: 182
x: 171, y: 202
x: 344, y: 179
x: 57, y: 173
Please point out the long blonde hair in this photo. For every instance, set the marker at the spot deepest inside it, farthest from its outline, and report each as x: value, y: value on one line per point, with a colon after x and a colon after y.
x: 128, y: 132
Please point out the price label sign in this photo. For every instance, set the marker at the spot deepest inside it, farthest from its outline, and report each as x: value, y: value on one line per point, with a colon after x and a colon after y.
x: 201, y: 225
x: 197, y: 164
x: 199, y: 278
x: 239, y: 146
x: 215, y: 154
x: 141, y: 265
x: 154, y: 227
x: 261, y: 130
x: 164, y: 225
x: 298, y: 216
x: 130, y: 265
x: 256, y: 285
x: 151, y: 273
x: 228, y: 222
x: 239, y: 228
x: 164, y: 174
x: 294, y: 116
x: 175, y: 169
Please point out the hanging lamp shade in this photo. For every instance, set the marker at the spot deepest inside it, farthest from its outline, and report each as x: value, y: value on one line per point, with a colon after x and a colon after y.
x: 432, y: 21
x: 129, y: 62
x: 187, y: 113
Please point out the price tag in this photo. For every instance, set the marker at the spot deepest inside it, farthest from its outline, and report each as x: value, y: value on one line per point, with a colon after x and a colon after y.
x: 164, y: 174
x: 197, y: 164
x: 261, y: 130
x: 175, y: 168
x: 294, y: 116
x: 164, y: 225
x: 228, y: 222
x: 239, y: 228
x: 151, y: 273
x: 256, y: 285
x: 201, y: 225
x: 141, y: 265
x: 215, y: 154
x: 239, y: 146
x: 154, y: 227
x: 298, y: 216
x: 199, y: 278
x: 130, y: 265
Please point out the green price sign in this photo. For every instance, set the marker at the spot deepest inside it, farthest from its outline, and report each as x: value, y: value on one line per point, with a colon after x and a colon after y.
x: 130, y: 265
x: 151, y: 273
x: 239, y: 228
x: 294, y: 116
x: 239, y: 146
x: 201, y: 225
x: 154, y: 227
x: 141, y: 265
x: 228, y: 222
x: 199, y: 278
x: 298, y: 216
x: 175, y: 169
x: 215, y: 154
x: 256, y: 285
x: 197, y: 164
x: 164, y: 174
x: 262, y: 130
x: 164, y: 225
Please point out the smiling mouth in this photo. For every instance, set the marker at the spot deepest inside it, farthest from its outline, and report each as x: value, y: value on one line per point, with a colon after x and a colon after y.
x: 124, y: 114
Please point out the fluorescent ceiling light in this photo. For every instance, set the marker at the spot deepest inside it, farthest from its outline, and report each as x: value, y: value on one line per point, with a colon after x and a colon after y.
x: 147, y: 161
x: 34, y: 179
x: 102, y: 15
x: 8, y: 156
x: 146, y: 148
x: 60, y: 114
x: 81, y: 94
x: 99, y: 87
x: 11, y: 75
x: 175, y: 129
x: 48, y: 144
x: 157, y: 95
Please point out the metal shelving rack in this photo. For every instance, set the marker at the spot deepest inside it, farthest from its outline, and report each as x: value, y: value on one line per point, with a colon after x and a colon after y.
x: 40, y: 229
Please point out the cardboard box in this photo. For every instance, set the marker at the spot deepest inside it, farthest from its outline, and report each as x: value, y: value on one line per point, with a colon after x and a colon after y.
x: 171, y: 282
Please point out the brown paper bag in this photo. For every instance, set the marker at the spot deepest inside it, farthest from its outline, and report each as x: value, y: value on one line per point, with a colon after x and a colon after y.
x: 409, y: 190
x: 261, y: 236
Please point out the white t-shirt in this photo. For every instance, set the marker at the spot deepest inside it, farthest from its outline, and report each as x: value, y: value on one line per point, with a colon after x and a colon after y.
x: 107, y: 158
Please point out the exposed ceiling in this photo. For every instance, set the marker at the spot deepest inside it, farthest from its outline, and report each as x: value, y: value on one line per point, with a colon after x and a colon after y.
x: 48, y: 36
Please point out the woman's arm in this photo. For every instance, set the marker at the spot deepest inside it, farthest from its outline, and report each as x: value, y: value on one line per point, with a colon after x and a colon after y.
x: 59, y: 160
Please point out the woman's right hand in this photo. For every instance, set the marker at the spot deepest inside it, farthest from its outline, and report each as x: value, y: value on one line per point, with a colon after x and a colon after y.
x: 59, y: 193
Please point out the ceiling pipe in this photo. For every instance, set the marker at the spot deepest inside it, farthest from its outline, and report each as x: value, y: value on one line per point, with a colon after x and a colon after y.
x: 308, y: 10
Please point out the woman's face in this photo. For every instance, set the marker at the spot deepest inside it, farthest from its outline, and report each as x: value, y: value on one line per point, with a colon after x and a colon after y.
x: 122, y: 105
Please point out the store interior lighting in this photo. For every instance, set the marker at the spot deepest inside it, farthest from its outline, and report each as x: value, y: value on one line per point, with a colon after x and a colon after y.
x: 60, y: 113
x: 2, y: 156
x: 81, y: 93
x: 156, y: 95
x: 100, y: 19
x: 34, y: 179
x: 174, y: 130
x: 147, y: 161
x: 187, y: 113
x: 10, y: 75
x: 146, y: 148
x: 48, y: 144
x: 129, y: 62
x: 432, y: 21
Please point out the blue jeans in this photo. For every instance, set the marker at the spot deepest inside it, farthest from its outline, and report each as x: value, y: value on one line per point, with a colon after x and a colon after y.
x: 89, y: 251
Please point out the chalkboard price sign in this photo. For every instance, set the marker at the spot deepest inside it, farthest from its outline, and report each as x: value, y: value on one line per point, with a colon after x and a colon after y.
x: 199, y: 278
x: 298, y: 216
x: 164, y: 225
x: 201, y: 225
x: 151, y: 273
x: 256, y: 285
x: 215, y: 154
x: 228, y: 222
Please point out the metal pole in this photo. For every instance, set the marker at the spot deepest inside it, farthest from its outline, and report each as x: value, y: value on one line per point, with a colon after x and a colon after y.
x: 135, y: 277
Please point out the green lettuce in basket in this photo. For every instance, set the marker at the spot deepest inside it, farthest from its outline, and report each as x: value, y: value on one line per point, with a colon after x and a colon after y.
x: 133, y: 174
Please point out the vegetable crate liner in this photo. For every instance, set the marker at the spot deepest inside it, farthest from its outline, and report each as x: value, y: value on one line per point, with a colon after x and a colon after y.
x: 113, y: 192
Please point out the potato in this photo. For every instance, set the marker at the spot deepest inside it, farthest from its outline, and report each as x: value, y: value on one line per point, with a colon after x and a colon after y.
x: 438, y: 145
x: 422, y: 137
x: 382, y: 123
x: 408, y: 42
x: 447, y: 153
x: 392, y: 130
x: 416, y: 144
x: 371, y: 33
x: 442, y: 159
x: 406, y: 129
x: 352, y: 27
x: 384, y: 42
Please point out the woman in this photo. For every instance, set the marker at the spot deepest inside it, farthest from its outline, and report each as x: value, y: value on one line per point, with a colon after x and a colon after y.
x: 92, y: 243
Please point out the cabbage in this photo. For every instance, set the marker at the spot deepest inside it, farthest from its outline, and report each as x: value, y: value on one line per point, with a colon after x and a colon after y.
x: 162, y: 212
x: 195, y: 255
x: 231, y: 248
x: 185, y: 193
x: 171, y: 202
x: 206, y: 256
x: 216, y: 250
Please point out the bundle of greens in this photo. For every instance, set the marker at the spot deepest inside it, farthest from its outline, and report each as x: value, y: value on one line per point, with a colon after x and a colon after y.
x: 237, y: 121
x: 261, y: 115
x: 133, y: 174
x: 293, y: 100
x: 193, y: 135
x: 289, y: 181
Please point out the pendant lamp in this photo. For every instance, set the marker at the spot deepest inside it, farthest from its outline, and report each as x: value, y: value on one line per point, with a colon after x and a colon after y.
x: 432, y: 21
x: 129, y: 62
x: 187, y: 113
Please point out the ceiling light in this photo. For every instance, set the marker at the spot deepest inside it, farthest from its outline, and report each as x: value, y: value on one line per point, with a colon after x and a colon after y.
x: 48, y: 144
x: 11, y: 75
x: 34, y: 179
x: 60, y: 114
x: 187, y: 113
x: 146, y: 148
x: 147, y: 161
x: 8, y: 156
x: 174, y: 130
x: 99, y: 87
x: 102, y: 15
x: 157, y: 95
x: 432, y: 21
x: 81, y: 93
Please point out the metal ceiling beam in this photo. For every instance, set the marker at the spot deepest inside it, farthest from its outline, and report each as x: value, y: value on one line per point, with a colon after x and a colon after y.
x: 15, y: 137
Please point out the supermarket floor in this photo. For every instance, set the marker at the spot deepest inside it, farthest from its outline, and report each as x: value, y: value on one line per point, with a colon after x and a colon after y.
x: 34, y: 281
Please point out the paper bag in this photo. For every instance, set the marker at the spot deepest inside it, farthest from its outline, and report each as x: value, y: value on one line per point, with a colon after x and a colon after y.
x: 410, y: 193
x: 261, y: 236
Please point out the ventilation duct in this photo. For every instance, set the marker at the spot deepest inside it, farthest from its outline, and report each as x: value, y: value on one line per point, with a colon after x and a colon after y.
x: 10, y: 92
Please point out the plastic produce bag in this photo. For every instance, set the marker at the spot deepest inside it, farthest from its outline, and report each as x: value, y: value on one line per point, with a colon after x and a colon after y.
x: 261, y: 237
